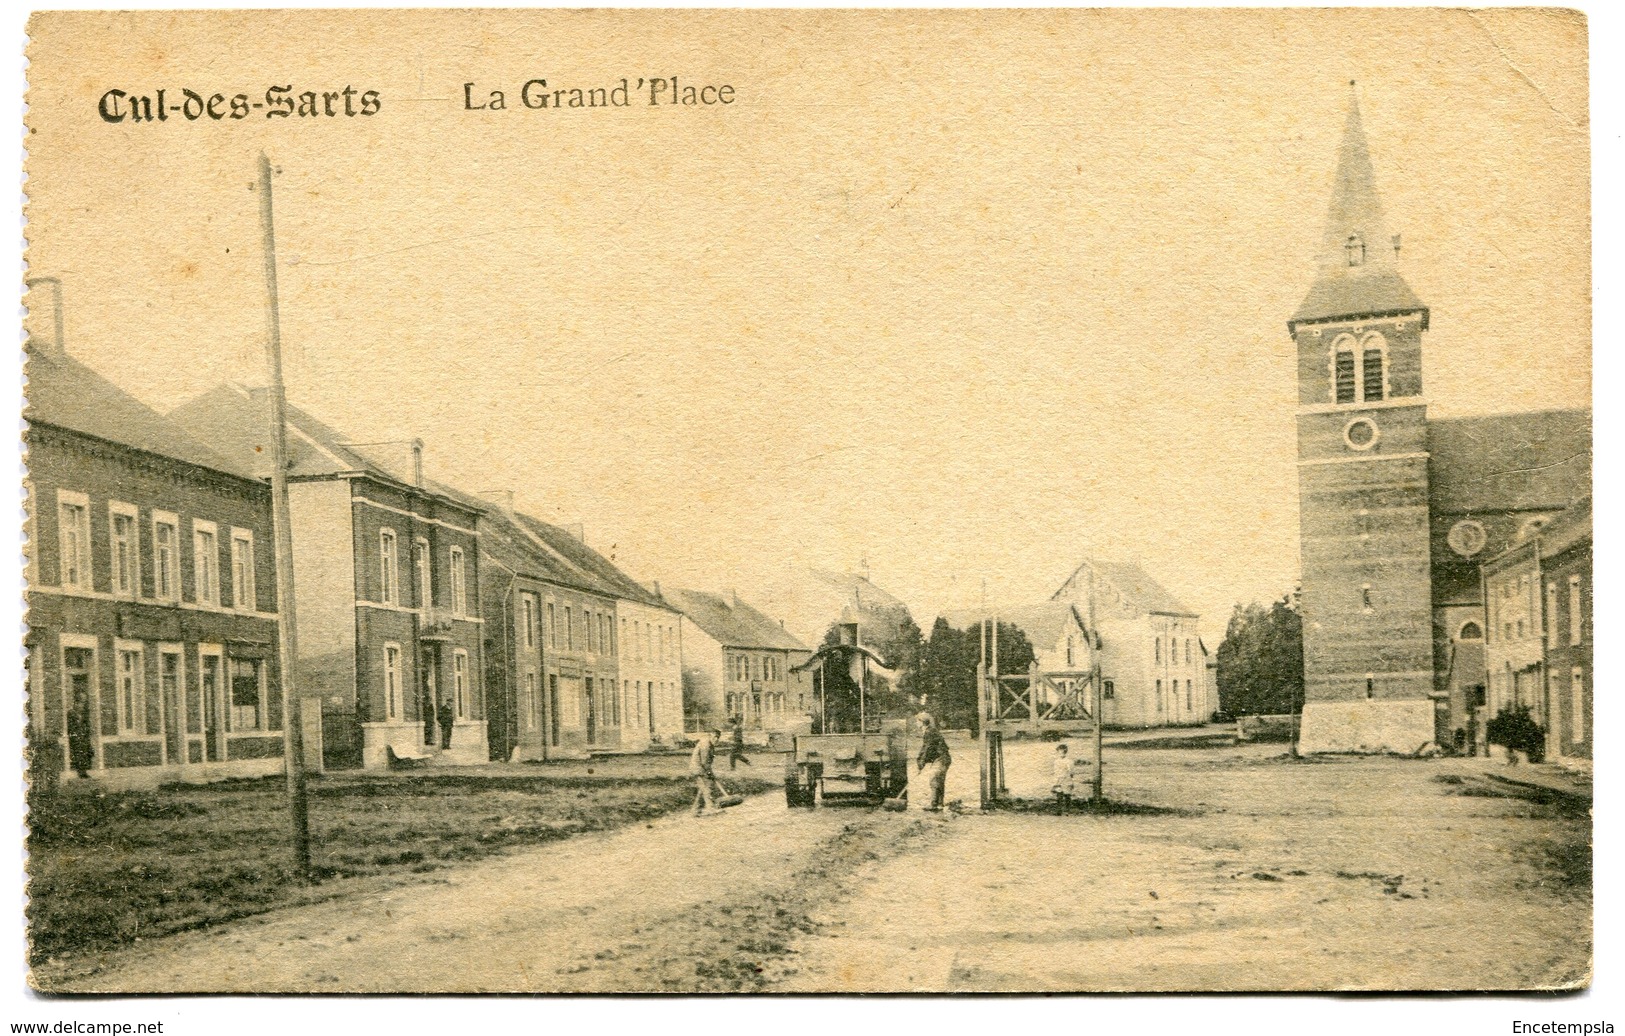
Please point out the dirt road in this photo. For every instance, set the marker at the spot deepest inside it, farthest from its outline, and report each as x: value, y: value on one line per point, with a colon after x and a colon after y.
x: 1236, y: 870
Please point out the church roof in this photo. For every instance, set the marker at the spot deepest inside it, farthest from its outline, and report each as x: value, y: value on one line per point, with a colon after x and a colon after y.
x: 1133, y: 583
x: 1373, y: 285
x: 1509, y: 462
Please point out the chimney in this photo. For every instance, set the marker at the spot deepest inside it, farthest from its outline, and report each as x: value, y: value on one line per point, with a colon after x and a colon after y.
x: 1396, y: 246
x: 50, y: 342
x: 733, y: 598
x: 657, y: 590
x: 417, y: 463
x: 503, y: 498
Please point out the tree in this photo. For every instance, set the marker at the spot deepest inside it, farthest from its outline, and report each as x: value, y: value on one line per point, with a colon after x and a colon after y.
x: 947, y: 669
x: 1260, y: 663
x: 892, y: 634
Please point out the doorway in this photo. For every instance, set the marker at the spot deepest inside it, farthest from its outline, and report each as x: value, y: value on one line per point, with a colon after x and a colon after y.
x: 592, y: 715
x: 553, y: 710
x: 169, y: 698
x: 214, y: 735
x: 79, y: 663
x: 430, y: 694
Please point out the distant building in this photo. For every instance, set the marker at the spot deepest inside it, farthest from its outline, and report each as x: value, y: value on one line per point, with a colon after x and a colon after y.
x: 386, y: 571
x: 1397, y: 511
x: 737, y: 662
x: 811, y: 600
x: 152, y: 623
x: 1536, y: 643
x: 1153, y: 673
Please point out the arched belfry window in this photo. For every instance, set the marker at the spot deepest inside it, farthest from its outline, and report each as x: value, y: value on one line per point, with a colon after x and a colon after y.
x: 1360, y: 369
x: 1470, y: 630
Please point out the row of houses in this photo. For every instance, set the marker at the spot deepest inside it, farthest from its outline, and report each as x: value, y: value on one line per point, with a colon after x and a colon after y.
x: 433, y: 624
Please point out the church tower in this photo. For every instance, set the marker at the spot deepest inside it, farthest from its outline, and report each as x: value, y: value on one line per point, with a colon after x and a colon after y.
x: 1363, y: 481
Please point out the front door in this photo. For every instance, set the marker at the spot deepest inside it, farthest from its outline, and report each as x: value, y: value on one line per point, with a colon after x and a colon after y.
x: 592, y: 715
x: 81, y: 747
x: 431, y: 695
x: 553, y: 709
x: 214, y: 743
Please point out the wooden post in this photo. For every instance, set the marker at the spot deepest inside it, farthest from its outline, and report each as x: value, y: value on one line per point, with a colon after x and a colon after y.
x: 293, y: 751
x: 982, y: 734
x: 1098, y: 792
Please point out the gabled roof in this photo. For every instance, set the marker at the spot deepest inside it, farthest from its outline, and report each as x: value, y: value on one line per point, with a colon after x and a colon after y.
x: 730, y: 621
x: 1373, y: 286
x: 588, y: 560
x: 1043, y: 623
x: 66, y: 393
x: 1136, y: 586
x: 1508, y: 462
x: 236, y: 419
x: 855, y: 588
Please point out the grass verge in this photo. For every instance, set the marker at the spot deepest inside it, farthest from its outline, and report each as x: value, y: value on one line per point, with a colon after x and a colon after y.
x: 110, y: 868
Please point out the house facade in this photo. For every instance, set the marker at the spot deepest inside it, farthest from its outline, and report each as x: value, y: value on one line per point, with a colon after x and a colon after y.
x: 1153, y: 672
x: 1537, y: 638
x: 386, y: 571
x: 737, y: 662
x: 152, y: 637
x: 1063, y: 646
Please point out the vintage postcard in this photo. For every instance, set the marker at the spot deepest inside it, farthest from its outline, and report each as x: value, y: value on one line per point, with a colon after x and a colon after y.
x: 639, y: 501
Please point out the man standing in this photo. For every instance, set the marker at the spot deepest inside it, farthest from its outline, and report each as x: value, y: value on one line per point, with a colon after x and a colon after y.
x: 933, y: 754
x: 699, y: 767
x: 448, y: 715
x: 736, y: 753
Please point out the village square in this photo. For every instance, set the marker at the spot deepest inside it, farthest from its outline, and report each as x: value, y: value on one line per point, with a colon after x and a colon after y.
x: 313, y: 709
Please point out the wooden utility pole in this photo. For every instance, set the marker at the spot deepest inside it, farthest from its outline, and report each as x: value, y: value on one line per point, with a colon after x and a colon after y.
x: 1098, y: 792
x: 293, y: 734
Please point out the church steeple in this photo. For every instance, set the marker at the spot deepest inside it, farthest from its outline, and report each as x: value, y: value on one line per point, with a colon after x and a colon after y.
x: 1357, y: 270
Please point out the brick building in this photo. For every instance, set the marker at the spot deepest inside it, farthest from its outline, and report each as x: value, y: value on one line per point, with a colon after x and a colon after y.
x: 1397, y: 510
x: 386, y: 572
x: 151, y: 642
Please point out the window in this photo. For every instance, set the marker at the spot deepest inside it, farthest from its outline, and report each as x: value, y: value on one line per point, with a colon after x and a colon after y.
x: 392, y: 681
x: 1188, y: 698
x: 1577, y: 705
x: 1108, y: 689
x: 242, y: 569
x: 1187, y: 650
x: 1158, y: 650
x: 1345, y: 375
x: 1470, y: 630
x: 1576, y: 620
x: 1551, y: 615
x: 387, y: 569
x: 1159, y: 695
x: 130, y: 689
x: 569, y: 630
x: 527, y: 707
x: 1354, y: 248
x: 637, y: 640
x: 459, y: 682
x: 552, y: 627
x: 1366, y: 604
x: 126, y: 550
x: 1372, y: 381
x: 205, y: 563
x: 166, y: 551
x: 527, y: 607
x: 248, y: 710
x: 589, y: 620
x: 606, y: 633
x: 459, y: 583
x: 169, y: 687
x: 73, y: 527
x: 423, y: 562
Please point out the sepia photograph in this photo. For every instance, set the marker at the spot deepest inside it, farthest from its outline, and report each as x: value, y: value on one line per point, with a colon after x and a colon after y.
x: 808, y: 502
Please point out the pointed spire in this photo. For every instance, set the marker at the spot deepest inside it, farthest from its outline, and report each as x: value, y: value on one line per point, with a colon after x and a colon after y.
x: 1356, y: 268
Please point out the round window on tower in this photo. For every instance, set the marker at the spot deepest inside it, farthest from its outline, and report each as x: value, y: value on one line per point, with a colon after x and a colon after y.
x: 1467, y: 537
x: 1360, y: 433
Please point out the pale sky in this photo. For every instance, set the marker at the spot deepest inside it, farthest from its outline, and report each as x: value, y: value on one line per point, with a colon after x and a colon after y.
x: 970, y: 295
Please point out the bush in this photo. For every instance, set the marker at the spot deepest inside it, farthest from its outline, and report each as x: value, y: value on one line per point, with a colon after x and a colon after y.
x: 1516, y: 729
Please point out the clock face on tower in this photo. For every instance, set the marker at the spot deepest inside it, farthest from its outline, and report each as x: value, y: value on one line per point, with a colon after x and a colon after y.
x: 1467, y: 537
x: 1360, y: 433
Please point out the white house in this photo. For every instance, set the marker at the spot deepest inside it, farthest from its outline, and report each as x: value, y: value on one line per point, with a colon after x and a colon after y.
x: 1153, y: 669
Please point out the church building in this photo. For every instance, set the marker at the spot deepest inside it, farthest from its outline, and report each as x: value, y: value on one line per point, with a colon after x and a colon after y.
x: 1397, y: 511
